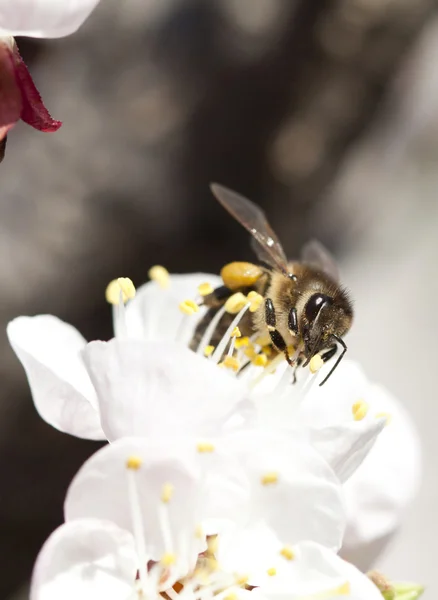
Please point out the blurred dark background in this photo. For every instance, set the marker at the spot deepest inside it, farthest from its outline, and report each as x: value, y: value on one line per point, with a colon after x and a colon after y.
x: 322, y: 112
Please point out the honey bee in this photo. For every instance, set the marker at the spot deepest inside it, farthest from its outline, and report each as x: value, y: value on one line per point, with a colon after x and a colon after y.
x: 305, y: 307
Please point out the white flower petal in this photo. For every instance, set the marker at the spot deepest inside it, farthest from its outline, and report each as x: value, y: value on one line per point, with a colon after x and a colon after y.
x: 316, y: 571
x: 156, y: 388
x: 101, y: 489
x: 86, y: 559
x: 388, y: 479
x: 326, y: 414
x: 43, y: 18
x: 345, y: 446
x: 49, y: 351
x: 305, y: 501
x: 154, y: 314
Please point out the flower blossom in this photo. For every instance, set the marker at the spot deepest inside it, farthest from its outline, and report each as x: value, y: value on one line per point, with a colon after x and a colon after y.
x: 146, y: 382
x: 19, y: 97
x: 136, y: 514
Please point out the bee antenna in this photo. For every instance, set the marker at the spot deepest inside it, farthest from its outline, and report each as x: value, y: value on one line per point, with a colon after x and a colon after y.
x: 341, y: 356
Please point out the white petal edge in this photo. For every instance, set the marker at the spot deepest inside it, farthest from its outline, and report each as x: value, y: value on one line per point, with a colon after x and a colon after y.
x: 379, y: 492
x: 49, y: 351
x: 85, y: 559
x: 155, y: 388
x: 43, y: 18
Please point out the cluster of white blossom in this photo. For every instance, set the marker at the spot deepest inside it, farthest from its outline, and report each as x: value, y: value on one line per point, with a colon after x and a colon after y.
x: 221, y: 478
x: 218, y: 481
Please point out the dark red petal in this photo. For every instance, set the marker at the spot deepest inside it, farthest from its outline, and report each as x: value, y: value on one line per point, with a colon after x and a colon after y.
x: 10, y: 93
x: 33, y: 111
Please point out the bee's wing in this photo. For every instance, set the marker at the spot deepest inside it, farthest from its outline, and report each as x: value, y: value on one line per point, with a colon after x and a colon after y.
x: 316, y: 255
x: 268, y: 248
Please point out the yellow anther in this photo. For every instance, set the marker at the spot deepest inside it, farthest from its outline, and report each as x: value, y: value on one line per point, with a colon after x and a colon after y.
x: 272, y: 571
x: 236, y: 333
x: 359, y: 410
x: 287, y: 553
x: 208, y: 350
x: 199, y: 532
x: 241, y: 342
x: 231, y: 362
x: 134, y: 463
x: 160, y: 275
x: 168, y: 559
x: 188, y: 307
x: 261, y: 360
x: 241, y: 579
x: 269, y: 478
x: 167, y: 492
x: 205, y: 289
x: 122, y: 286
x: 204, y: 447
x: 384, y: 415
x: 267, y: 350
x: 235, y: 303
x: 256, y: 300
x: 342, y: 590
x: 230, y: 596
x: 315, y: 364
x: 250, y: 351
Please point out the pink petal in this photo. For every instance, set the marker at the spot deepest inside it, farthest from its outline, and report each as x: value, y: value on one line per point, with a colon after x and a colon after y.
x: 33, y: 111
x: 10, y: 94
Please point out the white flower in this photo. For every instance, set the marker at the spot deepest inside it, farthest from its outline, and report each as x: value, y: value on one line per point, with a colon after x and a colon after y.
x: 43, y: 18
x: 140, y: 507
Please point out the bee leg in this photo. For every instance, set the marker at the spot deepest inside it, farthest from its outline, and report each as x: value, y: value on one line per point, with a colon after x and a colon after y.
x: 298, y: 364
x: 329, y: 353
x: 276, y: 337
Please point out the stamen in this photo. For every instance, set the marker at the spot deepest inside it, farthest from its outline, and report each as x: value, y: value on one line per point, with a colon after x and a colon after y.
x: 241, y: 580
x: 168, y: 559
x: 123, y: 286
x: 260, y: 360
x: 231, y: 596
x: 242, y: 342
x: 287, y: 553
x: 263, y: 340
x: 208, y: 350
x: 316, y: 363
x: 384, y: 415
x: 269, y: 478
x: 270, y: 368
x: 160, y: 275
x: 236, y: 333
x: 235, y: 303
x: 133, y: 464
x: 203, y: 447
x: 167, y: 492
x: 359, y: 410
x: 271, y: 571
x: 199, y: 532
x: 231, y: 362
x: 163, y: 517
x: 205, y: 289
x: 224, y: 341
x: 256, y: 300
x: 188, y: 307
x: 210, y: 330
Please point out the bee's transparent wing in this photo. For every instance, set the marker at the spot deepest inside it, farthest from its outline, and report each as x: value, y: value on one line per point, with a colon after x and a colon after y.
x: 268, y: 248
x: 316, y: 255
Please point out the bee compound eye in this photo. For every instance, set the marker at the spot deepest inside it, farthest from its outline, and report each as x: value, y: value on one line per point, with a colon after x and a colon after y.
x: 314, y: 305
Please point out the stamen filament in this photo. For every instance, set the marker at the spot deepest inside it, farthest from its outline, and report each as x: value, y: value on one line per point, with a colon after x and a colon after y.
x: 220, y: 348
x: 137, y: 525
x: 208, y: 333
x: 163, y: 517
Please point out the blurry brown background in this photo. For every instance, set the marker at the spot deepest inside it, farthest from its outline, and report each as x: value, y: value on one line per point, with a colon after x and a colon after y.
x: 323, y: 112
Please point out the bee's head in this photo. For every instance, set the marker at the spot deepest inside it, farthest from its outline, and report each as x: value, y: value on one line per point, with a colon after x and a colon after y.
x: 326, y: 318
